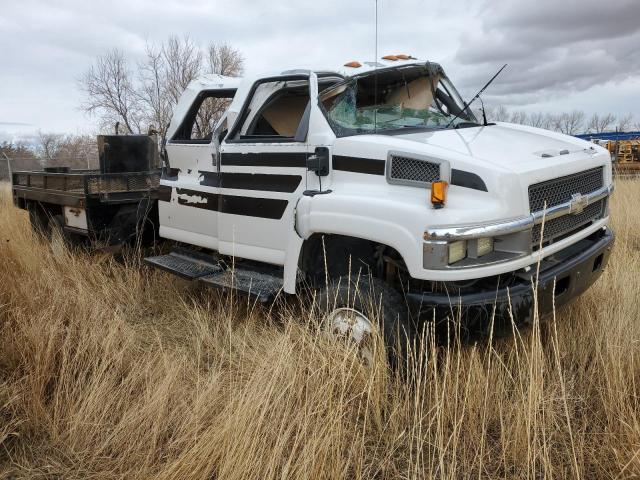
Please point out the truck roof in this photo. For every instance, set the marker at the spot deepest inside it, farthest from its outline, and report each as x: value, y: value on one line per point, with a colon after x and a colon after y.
x: 243, y: 84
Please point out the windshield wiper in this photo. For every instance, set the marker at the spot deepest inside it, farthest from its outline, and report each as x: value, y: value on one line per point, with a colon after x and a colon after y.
x: 476, y: 96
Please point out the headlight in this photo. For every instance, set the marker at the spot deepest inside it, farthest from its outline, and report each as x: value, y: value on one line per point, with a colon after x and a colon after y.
x: 472, y: 248
x: 457, y: 251
x: 442, y: 254
x: 481, y: 247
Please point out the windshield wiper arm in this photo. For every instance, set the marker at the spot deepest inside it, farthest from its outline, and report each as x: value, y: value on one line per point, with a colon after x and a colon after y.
x: 476, y: 96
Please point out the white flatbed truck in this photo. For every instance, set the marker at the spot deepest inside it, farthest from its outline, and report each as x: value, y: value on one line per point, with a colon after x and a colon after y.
x: 375, y: 180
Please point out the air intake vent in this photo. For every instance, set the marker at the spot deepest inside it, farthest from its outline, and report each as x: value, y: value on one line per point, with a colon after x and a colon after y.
x: 411, y: 171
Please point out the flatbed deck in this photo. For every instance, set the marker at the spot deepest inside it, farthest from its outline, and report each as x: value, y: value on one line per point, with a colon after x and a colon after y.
x: 78, y: 188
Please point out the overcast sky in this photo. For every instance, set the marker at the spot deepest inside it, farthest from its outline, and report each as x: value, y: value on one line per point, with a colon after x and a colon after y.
x: 562, y: 54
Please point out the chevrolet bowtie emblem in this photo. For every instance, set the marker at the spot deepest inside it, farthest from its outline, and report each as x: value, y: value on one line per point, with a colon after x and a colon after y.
x: 578, y: 203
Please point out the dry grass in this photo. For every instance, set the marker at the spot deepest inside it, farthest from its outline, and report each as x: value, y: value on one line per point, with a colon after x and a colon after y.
x: 109, y: 371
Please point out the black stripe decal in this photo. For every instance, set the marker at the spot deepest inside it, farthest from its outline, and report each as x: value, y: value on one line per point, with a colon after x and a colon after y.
x: 359, y: 165
x: 197, y: 199
x: 251, y: 181
x: 462, y: 178
x: 164, y: 193
x: 271, y: 208
x: 269, y: 159
x: 209, y: 179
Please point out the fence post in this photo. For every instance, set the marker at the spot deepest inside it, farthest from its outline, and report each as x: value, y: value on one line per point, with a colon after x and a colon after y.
x: 8, y: 166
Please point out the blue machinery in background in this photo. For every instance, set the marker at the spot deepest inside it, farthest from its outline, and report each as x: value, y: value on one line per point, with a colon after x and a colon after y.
x: 611, y: 136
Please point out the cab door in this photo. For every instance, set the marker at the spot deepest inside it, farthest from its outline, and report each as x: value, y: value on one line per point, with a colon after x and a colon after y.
x: 263, y: 166
x: 189, y: 188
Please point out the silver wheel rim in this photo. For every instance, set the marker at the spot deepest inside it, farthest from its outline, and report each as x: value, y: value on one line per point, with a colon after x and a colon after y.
x: 353, y: 325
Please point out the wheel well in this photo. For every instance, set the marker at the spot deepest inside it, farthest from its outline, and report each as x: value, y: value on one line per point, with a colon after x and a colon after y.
x: 328, y: 255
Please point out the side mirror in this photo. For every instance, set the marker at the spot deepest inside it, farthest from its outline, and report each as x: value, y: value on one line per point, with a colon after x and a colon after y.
x: 319, y: 162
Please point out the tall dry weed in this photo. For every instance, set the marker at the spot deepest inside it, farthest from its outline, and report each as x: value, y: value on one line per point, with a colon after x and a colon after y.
x: 115, y: 371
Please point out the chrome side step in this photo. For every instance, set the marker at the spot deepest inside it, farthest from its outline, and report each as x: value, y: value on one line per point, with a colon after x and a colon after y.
x: 185, y: 264
x: 191, y: 265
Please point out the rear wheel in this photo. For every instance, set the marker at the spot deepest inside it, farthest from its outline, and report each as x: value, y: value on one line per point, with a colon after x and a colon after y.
x: 361, y: 309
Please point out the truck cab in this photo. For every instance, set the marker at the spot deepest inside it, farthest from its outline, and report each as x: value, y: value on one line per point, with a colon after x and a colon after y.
x: 378, y: 170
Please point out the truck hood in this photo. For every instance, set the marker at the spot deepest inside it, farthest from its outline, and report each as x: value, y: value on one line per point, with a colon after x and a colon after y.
x: 516, y: 148
x: 507, y: 159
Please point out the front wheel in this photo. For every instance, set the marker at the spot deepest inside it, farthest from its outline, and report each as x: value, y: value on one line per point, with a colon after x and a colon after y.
x: 361, y: 309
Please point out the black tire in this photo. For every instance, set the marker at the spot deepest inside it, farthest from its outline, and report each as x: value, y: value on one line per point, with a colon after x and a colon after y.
x: 376, y: 300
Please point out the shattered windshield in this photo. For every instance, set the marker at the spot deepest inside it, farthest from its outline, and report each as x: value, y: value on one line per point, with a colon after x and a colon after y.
x: 417, y: 96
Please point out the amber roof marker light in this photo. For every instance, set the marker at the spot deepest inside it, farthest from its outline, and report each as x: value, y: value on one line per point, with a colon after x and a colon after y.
x: 439, y: 193
x: 353, y: 64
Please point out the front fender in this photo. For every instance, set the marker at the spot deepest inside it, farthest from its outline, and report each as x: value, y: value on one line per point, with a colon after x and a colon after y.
x: 366, y: 217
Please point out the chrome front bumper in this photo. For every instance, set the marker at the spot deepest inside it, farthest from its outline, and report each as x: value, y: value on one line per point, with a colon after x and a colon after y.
x: 496, y: 229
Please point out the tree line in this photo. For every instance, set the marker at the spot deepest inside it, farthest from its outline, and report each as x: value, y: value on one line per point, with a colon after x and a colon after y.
x: 139, y: 96
x: 49, y: 150
x: 570, y: 123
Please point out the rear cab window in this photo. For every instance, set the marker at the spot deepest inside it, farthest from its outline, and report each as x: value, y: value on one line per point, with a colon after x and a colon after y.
x: 201, y: 119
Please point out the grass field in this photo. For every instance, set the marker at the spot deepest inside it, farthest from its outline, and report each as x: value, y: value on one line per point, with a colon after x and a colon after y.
x: 114, y: 371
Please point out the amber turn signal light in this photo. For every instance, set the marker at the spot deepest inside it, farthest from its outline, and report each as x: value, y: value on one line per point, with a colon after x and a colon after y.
x: 438, y: 193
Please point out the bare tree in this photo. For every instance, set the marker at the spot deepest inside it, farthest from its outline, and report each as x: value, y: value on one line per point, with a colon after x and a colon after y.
x: 225, y: 60
x: 537, y: 119
x: 570, y: 123
x: 48, y: 147
x: 500, y: 114
x: 145, y: 101
x: 153, y: 90
x: 520, y: 117
x: 624, y: 122
x: 554, y: 121
x: 183, y: 63
x: 221, y: 60
x: 600, y: 123
x: 110, y: 92
x: 78, y: 152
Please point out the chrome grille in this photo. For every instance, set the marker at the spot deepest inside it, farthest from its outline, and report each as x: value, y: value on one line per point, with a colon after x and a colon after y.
x: 559, y: 190
x: 413, y: 170
x: 559, y: 227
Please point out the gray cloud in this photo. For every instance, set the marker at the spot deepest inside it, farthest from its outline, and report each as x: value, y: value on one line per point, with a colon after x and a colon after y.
x: 553, y: 47
x: 556, y: 49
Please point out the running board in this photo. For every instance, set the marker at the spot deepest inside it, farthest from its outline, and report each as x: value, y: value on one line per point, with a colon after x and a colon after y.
x: 261, y: 285
x: 192, y: 265
x: 185, y: 264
